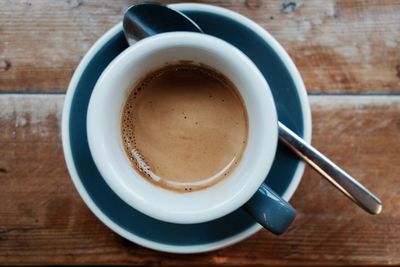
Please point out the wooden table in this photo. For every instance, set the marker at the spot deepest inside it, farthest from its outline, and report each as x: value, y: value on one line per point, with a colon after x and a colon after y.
x: 348, y: 53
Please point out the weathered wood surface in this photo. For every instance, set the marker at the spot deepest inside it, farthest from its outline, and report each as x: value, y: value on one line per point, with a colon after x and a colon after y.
x: 339, y: 46
x: 43, y: 219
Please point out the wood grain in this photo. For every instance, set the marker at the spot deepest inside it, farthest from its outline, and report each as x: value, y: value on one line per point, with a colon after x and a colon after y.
x: 43, y: 219
x: 339, y: 46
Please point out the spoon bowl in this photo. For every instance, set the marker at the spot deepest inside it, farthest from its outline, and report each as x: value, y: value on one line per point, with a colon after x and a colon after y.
x: 143, y: 20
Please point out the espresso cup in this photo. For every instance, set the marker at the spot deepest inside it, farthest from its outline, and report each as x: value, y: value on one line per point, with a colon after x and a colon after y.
x: 243, y: 187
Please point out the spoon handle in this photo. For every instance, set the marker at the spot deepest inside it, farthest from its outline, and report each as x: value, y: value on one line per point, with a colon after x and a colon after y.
x: 330, y: 171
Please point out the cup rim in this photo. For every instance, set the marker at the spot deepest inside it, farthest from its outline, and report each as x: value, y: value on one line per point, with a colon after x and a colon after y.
x: 192, y: 207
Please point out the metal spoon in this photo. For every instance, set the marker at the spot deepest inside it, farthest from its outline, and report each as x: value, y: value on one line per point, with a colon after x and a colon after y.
x: 143, y: 20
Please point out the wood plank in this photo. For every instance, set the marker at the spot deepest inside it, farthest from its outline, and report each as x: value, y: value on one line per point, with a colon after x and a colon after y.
x: 43, y: 220
x: 339, y: 46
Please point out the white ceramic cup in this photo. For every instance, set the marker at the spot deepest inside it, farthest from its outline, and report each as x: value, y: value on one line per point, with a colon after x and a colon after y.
x: 104, y: 128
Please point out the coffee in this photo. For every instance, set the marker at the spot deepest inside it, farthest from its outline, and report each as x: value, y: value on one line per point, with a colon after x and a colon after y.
x: 184, y: 127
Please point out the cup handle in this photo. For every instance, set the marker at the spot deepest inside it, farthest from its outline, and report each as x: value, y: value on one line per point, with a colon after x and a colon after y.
x: 270, y: 210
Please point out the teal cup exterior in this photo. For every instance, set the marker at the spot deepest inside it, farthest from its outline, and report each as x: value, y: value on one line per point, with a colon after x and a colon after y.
x: 270, y: 210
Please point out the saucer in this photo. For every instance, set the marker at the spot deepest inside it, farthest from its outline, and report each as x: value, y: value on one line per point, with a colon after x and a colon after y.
x: 293, y: 110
